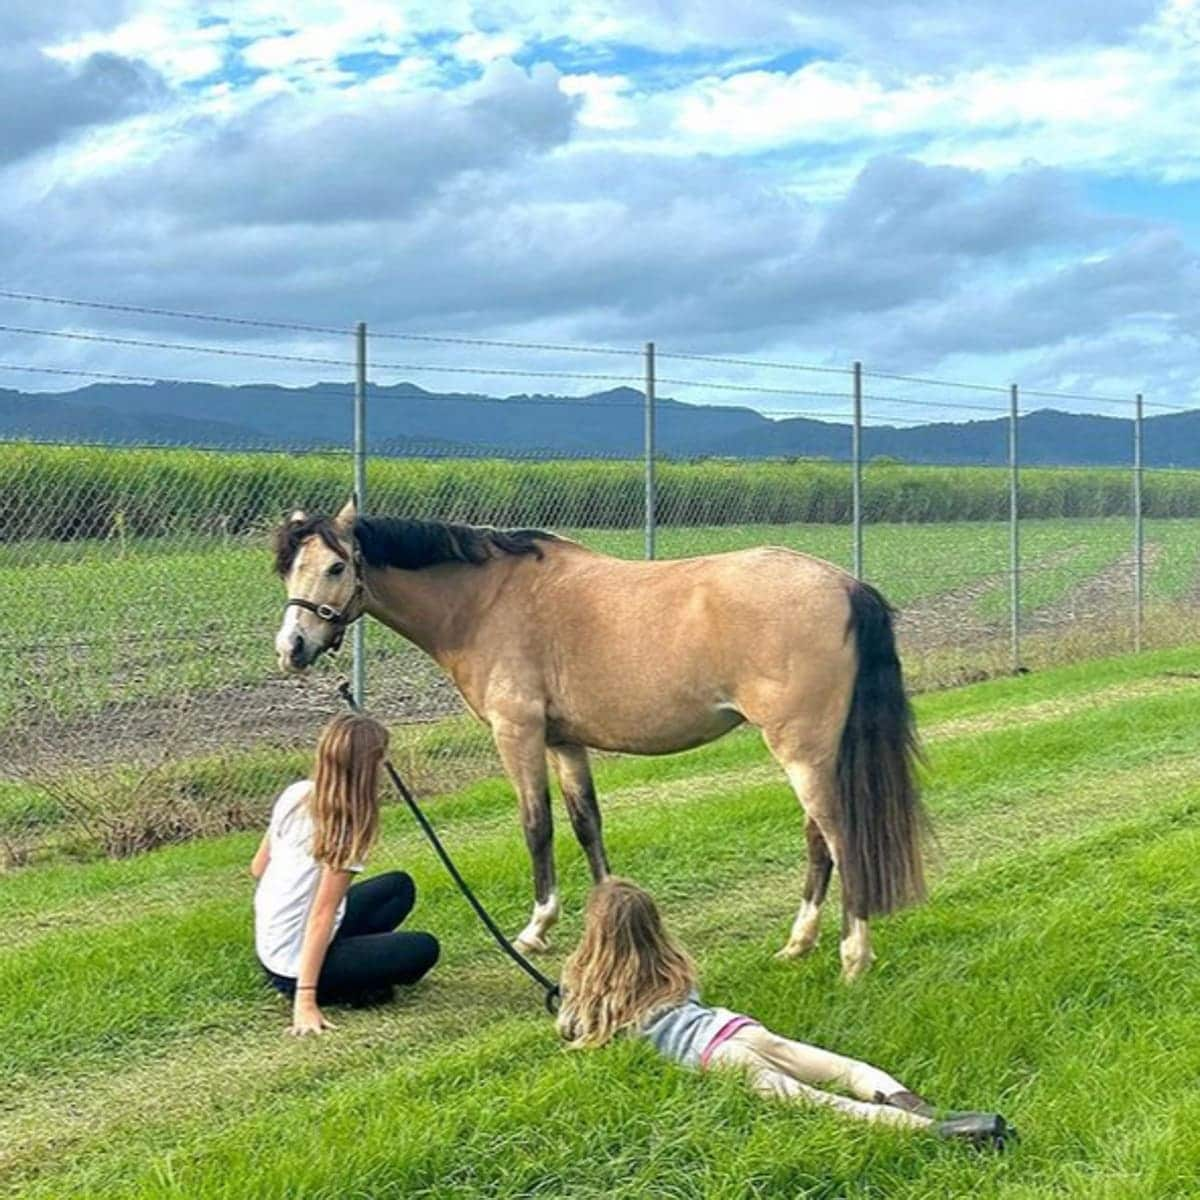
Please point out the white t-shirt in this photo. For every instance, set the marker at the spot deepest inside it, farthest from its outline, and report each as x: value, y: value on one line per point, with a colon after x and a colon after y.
x: 286, y: 890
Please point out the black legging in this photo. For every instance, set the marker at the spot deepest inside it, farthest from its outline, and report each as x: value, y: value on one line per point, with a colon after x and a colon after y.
x: 367, y: 957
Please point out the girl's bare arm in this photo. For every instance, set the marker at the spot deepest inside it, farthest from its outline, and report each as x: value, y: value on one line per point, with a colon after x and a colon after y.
x: 306, y: 1015
x: 262, y: 856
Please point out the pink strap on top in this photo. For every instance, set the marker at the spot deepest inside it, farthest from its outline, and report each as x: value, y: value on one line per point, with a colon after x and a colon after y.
x: 722, y: 1036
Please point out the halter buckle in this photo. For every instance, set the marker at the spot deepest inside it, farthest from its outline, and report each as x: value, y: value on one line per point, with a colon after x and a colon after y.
x: 327, y: 613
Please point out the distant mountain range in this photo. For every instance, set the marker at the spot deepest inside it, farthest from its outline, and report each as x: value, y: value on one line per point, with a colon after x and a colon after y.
x: 406, y: 419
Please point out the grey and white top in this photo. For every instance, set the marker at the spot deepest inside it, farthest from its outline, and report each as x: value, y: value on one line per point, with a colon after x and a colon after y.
x: 685, y: 1031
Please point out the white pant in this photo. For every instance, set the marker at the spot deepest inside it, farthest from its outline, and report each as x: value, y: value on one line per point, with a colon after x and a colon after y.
x: 779, y: 1067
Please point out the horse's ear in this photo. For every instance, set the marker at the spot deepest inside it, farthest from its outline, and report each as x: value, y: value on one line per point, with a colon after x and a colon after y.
x: 344, y: 521
x: 298, y: 517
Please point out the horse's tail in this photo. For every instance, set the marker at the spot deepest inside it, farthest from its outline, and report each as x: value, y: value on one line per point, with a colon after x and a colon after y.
x: 883, y: 821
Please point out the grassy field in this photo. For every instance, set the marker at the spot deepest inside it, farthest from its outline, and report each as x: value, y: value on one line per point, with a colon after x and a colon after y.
x: 1052, y: 974
x: 91, y: 623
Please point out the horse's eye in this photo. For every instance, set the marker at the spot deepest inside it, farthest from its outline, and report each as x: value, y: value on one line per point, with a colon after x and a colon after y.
x: 337, y: 568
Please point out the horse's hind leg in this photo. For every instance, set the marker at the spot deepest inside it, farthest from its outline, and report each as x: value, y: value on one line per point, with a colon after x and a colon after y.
x: 806, y: 929
x: 579, y: 794
x: 815, y: 789
x: 522, y: 748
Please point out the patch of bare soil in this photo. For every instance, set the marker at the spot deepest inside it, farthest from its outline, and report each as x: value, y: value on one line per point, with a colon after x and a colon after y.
x: 278, y: 710
x: 945, y: 643
x: 949, y: 618
x: 952, y: 618
x: 1107, y: 594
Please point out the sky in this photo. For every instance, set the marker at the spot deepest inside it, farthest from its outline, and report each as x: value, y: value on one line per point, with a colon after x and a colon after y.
x: 972, y: 191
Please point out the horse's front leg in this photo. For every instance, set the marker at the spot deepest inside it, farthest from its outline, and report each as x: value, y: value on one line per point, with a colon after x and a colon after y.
x: 522, y: 746
x: 579, y: 794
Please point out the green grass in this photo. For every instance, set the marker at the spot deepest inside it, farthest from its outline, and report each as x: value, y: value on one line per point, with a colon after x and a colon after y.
x: 1052, y: 974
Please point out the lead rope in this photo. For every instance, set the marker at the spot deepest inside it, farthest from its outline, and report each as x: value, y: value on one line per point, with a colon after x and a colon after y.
x: 553, y: 993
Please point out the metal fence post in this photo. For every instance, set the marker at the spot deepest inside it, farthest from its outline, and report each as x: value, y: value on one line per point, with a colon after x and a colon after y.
x: 856, y: 472
x: 651, y: 488
x: 1139, y: 528
x: 358, y: 639
x: 1014, y: 536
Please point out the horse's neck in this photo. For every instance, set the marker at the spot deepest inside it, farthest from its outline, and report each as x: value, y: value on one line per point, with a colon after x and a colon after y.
x: 434, y: 607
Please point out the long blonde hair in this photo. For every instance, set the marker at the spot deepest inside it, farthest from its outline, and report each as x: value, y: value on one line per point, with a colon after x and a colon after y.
x: 345, y: 796
x: 625, y: 966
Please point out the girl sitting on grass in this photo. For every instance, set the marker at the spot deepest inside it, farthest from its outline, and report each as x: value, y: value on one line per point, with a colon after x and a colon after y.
x: 318, y: 938
x: 629, y: 976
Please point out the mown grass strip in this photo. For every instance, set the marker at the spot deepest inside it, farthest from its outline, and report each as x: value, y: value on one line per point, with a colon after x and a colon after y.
x: 505, y: 1114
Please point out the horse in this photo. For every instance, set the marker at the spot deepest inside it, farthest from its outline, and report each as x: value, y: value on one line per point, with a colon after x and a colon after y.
x: 560, y: 649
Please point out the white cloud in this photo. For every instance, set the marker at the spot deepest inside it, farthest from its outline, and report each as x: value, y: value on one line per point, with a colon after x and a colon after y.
x: 1116, y: 110
x: 181, y: 52
x: 758, y: 110
x: 607, y: 103
x: 487, y: 47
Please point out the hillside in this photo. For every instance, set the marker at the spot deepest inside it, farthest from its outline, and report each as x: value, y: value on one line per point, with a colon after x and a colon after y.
x: 406, y: 419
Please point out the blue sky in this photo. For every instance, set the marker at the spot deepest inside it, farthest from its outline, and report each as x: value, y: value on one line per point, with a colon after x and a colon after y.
x: 982, y: 191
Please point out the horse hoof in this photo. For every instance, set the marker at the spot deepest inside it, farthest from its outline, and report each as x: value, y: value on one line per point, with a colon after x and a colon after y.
x: 856, y: 969
x: 795, y: 950
x: 531, y: 944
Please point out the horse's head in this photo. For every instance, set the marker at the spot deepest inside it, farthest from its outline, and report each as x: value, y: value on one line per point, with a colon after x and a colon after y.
x: 317, y: 559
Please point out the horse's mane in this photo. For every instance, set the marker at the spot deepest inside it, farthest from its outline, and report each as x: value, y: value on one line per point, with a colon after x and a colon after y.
x: 410, y: 544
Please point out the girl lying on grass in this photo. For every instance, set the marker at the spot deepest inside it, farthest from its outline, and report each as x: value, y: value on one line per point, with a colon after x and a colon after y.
x: 318, y: 938
x: 629, y: 975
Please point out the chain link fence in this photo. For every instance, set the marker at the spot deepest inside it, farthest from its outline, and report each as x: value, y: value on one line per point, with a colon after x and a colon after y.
x: 140, y: 699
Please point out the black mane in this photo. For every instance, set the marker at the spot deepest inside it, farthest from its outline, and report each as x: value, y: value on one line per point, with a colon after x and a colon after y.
x: 410, y: 544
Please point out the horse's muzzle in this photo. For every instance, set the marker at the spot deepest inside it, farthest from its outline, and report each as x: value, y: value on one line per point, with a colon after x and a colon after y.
x: 296, y: 648
x: 298, y: 653
x: 294, y: 651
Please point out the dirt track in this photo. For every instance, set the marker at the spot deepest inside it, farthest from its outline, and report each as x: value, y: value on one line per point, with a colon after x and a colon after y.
x: 279, y: 710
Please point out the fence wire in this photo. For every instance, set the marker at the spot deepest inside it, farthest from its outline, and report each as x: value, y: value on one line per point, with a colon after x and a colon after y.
x: 140, y: 700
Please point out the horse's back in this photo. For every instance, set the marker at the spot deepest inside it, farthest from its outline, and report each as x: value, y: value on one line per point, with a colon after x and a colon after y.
x: 713, y: 605
x: 782, y: 561
x: 760, y: 578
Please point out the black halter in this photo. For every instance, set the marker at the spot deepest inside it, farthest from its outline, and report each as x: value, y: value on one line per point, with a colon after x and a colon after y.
x: 340, y: 618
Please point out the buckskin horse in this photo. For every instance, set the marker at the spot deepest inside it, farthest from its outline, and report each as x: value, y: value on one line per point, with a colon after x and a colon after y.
x: 559, y: 649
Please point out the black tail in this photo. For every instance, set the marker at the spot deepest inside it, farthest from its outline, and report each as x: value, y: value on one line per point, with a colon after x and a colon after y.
x: 883, y: 822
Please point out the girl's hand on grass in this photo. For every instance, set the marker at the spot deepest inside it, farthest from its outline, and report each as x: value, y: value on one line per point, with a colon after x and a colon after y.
x: 307, y: 1018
